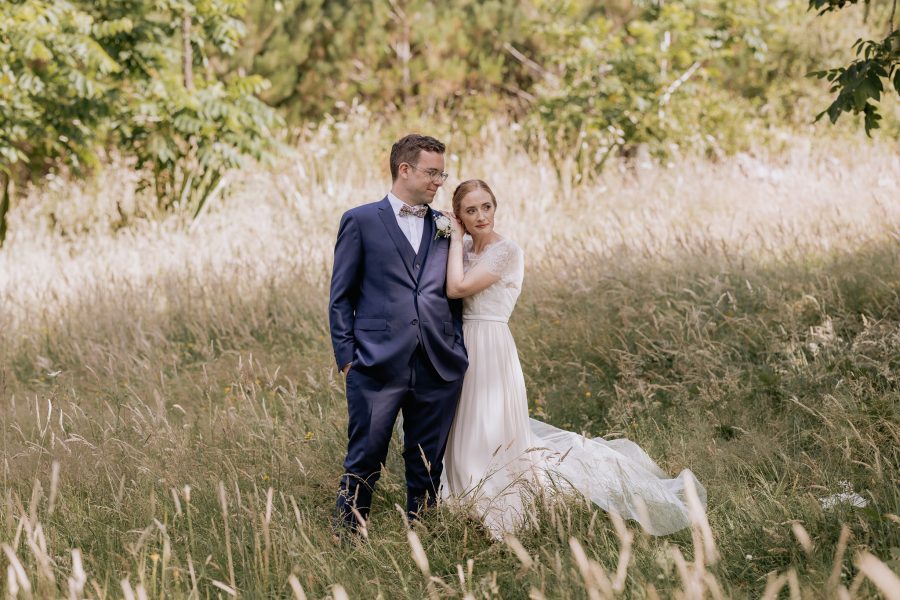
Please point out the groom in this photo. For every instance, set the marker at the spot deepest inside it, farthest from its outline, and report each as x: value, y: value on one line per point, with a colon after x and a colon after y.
x: 396, y: 336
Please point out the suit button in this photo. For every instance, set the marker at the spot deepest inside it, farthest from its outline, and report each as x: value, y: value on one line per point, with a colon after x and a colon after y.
x: 418, y: 265
x: 414, y: 322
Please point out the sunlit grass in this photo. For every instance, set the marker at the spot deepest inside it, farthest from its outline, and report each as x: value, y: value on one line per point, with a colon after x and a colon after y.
x: 173, y: 424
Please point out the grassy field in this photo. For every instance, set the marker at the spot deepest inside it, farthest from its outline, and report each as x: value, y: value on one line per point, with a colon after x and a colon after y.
x: 173, y: 425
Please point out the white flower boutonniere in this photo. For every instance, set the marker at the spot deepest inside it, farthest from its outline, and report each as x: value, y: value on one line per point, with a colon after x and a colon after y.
x: 442, y: 226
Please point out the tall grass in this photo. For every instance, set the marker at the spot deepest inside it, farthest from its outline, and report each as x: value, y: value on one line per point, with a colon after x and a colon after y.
x: 173, y: 425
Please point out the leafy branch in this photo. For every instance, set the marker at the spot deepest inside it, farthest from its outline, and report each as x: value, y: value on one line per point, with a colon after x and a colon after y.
x: 859, y: 86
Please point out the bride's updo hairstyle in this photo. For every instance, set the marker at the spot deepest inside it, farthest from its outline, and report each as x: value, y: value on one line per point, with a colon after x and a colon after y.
x: 466, y: 188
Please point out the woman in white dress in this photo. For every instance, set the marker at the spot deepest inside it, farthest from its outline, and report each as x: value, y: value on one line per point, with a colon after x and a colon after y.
x: 496, y: 454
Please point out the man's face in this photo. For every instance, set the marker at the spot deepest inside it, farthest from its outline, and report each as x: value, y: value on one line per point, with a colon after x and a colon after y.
x: 422, y: 179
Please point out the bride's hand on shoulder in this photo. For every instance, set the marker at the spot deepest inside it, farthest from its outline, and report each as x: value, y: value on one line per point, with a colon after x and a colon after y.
x: 456, y: 226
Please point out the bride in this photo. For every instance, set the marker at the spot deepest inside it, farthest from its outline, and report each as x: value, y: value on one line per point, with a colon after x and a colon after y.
x: 495, y: 452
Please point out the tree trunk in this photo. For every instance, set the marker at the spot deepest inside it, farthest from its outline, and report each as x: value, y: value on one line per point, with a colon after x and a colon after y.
x: 187, y: 52
x: 403, y: 50
x: 891, y: 20
x: 4, y: 205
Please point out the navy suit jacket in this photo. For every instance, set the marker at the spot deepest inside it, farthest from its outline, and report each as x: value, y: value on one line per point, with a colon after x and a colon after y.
x: 386, y: 299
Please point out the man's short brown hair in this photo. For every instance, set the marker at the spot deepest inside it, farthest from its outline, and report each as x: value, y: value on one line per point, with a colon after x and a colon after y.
x: 407, y: 150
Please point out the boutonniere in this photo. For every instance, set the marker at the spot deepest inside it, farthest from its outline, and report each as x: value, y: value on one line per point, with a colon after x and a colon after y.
x: 442, y: 226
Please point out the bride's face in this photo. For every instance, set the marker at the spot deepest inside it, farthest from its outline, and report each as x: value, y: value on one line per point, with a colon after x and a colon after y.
x: 476, y: 211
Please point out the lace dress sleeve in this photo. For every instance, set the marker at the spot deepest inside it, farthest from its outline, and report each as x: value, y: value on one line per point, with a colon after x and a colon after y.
x: 467, y: 253
x: 503, y: 259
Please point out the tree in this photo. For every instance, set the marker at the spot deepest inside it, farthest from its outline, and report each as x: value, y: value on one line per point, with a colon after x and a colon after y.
x: 668, y: 76
x: 860, y: 84
x: 185, y: 120
x: 424, y: 56
x: 137, y: 74
x: 54, y: 83
x: 592, y: 79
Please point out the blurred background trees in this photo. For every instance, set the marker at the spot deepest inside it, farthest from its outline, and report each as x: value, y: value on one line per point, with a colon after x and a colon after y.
x: 689, y: 74
x: 142, y: 76
x: 445, y: 57
x: 190, y: 89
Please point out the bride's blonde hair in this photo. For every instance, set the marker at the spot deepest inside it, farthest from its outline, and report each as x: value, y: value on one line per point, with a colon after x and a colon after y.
x: 466, y: 188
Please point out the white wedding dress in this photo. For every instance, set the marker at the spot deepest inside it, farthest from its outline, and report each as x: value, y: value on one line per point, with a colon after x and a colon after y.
x: 496, y: 454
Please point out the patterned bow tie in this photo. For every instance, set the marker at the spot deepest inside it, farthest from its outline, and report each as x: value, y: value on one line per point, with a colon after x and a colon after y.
x: 416, y: 211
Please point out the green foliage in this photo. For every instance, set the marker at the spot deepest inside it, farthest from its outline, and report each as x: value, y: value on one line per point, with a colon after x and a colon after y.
x: 591, y: 80
x: 397, y: 56
x: 54, y: 78
x: 183, y: 88
x: 189, y: 139
x: 859, y: 85
x: 666, y: 78
x: 79, y: 75
x: 824, y: 6
x: 187, y: 129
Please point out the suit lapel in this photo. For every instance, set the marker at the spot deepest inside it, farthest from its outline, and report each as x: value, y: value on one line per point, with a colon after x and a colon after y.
x: 386, y: 212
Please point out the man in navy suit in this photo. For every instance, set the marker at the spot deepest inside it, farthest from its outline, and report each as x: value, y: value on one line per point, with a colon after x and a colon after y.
x: 397, y: 337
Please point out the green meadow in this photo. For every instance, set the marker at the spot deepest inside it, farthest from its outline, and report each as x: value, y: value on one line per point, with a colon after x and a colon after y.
x: 173, y: 423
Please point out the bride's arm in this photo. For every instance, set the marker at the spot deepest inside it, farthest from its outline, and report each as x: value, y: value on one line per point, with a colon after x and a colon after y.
x: 459, y: 283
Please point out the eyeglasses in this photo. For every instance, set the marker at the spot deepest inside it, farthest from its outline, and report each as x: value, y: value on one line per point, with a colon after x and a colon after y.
x: 435, y: 175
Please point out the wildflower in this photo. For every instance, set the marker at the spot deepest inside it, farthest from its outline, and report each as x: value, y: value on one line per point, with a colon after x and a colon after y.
x: 309, y: 436
x: 749, y: 557
x: 227, y: 389
x: 154, y: 556
x: 265, y: 477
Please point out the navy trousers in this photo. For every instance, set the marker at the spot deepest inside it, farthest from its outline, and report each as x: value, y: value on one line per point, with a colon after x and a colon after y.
x: 428, y: 404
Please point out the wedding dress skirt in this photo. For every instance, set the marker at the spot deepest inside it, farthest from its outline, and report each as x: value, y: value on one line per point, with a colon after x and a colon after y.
x: 497, y: 457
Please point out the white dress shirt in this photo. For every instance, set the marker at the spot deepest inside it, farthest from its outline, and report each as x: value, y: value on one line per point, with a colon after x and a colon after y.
x: 410, y: 226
